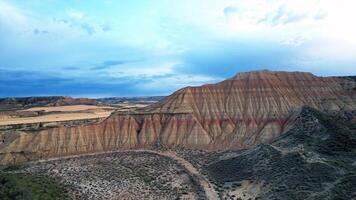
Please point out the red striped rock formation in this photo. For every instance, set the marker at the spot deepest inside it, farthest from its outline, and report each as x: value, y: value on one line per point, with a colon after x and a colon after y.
x: 248, y: 109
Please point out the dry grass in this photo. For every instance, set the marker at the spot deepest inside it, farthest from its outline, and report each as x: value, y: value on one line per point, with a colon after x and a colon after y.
x: 4, y: 117
x: 66, y: 113
x: 69, y: 108
x: 130, y: 105
x: 55, y: 118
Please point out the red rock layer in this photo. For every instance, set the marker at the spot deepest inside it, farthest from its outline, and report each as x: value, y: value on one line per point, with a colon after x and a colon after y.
x: 247, y: 109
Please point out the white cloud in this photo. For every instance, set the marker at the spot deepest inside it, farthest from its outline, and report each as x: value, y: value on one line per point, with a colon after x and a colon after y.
x: 13, y: 18
x: 319, y: 30
x: 144, y: 69
x: 75, y: 14
x: 283, y: 16
x: 174, y: 82
x: 230, y: 10
x: 294, y: 41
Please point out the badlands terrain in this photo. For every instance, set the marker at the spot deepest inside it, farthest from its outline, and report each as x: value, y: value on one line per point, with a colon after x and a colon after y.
x: 258, y: 135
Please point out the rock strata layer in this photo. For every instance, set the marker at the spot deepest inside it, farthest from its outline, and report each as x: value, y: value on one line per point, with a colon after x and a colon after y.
x: 248, y: 109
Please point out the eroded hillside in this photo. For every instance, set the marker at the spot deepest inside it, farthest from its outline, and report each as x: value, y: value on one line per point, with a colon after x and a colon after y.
x: 313, y: 160
x: 248, y: 109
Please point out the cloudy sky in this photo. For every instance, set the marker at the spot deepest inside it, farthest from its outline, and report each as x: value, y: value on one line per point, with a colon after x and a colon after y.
x: 99, y: 48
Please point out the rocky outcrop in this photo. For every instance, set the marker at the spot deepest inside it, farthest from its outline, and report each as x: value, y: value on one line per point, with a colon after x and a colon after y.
x: 248, y: 109
x: 313, y: 160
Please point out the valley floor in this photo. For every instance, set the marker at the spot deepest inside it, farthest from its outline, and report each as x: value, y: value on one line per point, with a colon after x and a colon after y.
x: 132, y: 174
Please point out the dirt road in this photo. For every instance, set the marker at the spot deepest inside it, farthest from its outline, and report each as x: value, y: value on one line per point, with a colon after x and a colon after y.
x: 210, y: 192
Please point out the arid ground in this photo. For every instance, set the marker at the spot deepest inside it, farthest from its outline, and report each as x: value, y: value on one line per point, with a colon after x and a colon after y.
x: 46, y: 114
x: 136, y: 174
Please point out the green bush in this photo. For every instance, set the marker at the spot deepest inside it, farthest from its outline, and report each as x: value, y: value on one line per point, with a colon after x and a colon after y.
x: 29, y: 187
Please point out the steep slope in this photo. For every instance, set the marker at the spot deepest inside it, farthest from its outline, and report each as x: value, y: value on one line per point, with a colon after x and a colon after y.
x: 248, y: 109
x: 257, y: 105
x: 313, y: 160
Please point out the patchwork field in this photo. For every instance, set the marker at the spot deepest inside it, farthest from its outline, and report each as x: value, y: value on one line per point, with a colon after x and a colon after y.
x: 54, y: 118
x: 45, y: 114
x: 56, y: 114
x: 70, y: 108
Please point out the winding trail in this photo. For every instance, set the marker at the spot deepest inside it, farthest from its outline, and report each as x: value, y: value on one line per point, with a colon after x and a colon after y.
x: 208, y: 188
x: 210, y: 192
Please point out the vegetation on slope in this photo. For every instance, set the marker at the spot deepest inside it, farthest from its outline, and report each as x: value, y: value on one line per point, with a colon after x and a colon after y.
x: 314, y: 160
x: 29, y: 187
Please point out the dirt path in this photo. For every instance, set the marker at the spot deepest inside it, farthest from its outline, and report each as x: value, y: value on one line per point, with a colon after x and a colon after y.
x: 209, y: 190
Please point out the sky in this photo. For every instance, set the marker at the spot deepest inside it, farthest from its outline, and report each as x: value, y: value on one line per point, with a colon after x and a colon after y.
x: 104, y: 48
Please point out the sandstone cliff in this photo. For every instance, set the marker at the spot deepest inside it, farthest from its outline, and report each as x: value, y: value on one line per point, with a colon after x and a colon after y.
x: 248, y: 109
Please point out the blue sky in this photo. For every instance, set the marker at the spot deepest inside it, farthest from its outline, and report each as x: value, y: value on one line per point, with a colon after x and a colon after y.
x: 99, y: 48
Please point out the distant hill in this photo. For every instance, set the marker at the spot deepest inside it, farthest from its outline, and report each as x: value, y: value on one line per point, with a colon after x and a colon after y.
x: 115, y: 100
x: 350, y: 77
x: 26, y: 102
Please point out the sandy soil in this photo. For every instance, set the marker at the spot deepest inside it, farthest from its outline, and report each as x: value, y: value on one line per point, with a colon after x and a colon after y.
x: 55, y: 118
x: 69, y: 113
x: 130, y: 105
x: 69, y: 108
x: 5, y: 117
